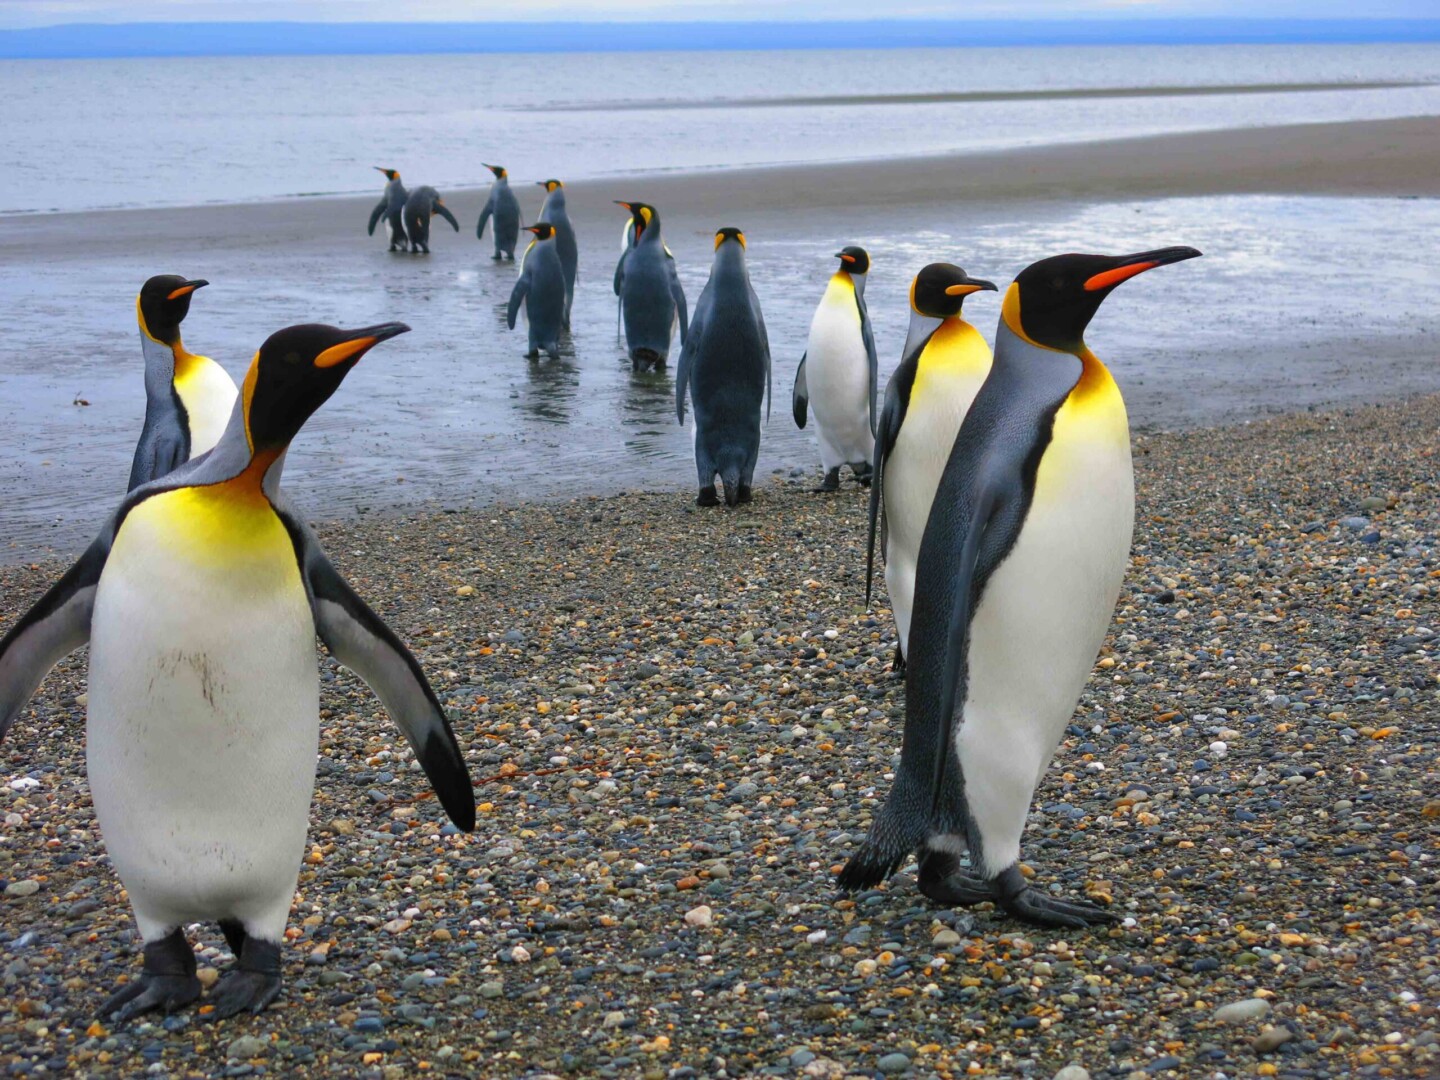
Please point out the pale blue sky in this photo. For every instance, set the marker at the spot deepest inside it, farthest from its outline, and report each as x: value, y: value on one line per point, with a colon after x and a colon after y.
x: 19, y: 13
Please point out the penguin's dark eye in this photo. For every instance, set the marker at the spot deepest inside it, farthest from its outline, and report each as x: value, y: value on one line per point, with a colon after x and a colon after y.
x: 292, y: 358
x: 1058, y: 284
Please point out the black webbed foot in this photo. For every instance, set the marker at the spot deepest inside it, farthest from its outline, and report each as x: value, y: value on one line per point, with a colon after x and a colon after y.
x: 167, y: 982
x: 897, y: 663
x: 831, y: 481
x: 744, y: 495
x: 252, y: 984
x: 708, y: 497
x: 945, y: 881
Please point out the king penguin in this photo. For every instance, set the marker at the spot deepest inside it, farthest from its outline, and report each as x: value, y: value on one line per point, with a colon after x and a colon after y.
x: 420, y: 206
x: 652, y: 300
x: 505, y: 209
x: 541, y: 289
x: 1020, y: 566
x: 943, y: 364
x: 839, y: 372
x: 188, y: 398
x: 553, y: 211
x: 725, y: 365
x: 200, y: 600
x: 391, y: 207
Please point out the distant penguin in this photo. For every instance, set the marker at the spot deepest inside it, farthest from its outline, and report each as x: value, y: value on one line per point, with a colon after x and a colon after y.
x: 838, y: 373
x: 945, y: 361
x: 391, y: 207
x: 553, y: 211
x: 1020, y: 566
x: 725, y: 366
x: 421, y: 204
x: 505, y: 209
x: 541, y: 288
x: 200, y: 600
x: 652, y: 301
x: 188, y: 398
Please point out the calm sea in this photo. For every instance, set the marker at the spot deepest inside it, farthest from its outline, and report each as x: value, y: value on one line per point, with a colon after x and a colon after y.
x: 115, y: 133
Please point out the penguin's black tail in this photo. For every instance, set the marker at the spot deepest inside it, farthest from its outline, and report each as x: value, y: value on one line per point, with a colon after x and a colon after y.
x: 731, y: 476
x: 901, y: 827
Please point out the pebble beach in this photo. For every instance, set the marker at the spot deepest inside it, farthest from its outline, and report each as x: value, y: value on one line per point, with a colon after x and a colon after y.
x: 680, y: 722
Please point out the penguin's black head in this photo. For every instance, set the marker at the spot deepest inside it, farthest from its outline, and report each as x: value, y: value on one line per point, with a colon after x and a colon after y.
x: 1052, y: 301
x: 728, y: 232
x: 295, y: 372
x: 940, y: 289
x: 163, y: 303
x: 550, y: 185
x: 498, y: 170
x: 854, y: 260
x: 543, y: 230
x: 390, y: 174
x: 642, y: 214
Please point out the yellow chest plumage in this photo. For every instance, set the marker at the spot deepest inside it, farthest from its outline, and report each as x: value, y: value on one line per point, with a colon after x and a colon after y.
x: 955, y: 350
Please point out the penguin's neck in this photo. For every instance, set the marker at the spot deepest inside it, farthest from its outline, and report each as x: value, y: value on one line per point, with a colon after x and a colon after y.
x: 233, y: 459
x: 921, y: 327
x: 858, y: 280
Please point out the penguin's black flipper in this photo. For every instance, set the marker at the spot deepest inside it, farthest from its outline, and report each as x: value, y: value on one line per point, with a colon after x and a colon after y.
x: 765, y: 344
x: 867, y: 334
x: 677, y: 293
x: 517, y: 297
x: 897, y: 403
x: 687, y: 359
x: 378, y: 213
x: 800, y: 396
x: 444, y: 211
x: 485, y: 216
x: 56, y: 626
x: 359, y: 639
x: 620, y: 272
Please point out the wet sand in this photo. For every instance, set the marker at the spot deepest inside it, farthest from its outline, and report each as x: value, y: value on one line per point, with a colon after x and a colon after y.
x: 1301, y: 302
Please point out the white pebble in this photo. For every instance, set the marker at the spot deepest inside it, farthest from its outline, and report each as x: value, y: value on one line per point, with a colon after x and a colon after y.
x: 701, y: 916
x: 815, y: 937
x: 520, y: 954
x: 25, y: 783
x: 831, y: 635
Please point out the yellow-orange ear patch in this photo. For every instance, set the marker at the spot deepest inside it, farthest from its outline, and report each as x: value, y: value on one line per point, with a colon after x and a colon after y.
x: 1106, y: 278
x: 247, y: 393
x: 338, y: 354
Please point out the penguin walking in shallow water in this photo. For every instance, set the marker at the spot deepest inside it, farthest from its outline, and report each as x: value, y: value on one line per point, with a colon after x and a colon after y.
x: 540, y: 288
x: 200, y: 601
x: 839, y: 372
x: 725, y: 366
x: 944, y: 363
x: 391, y: 208
x: 188, y: 398
x: 553, y: 211
x: 1020, y: 565
x: 420, y: 206
x: 504, y: 209
x: 652, y: 300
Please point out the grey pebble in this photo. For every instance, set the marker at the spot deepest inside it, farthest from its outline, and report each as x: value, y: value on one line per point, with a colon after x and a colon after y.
x: 893, y: 1063
x: 1237, y: 1012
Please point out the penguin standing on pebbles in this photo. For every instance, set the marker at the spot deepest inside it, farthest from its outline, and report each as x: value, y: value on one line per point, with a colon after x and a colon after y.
x: 504, y: 209
x: 725, y: 366
x: 944, y: 364
x: 188, y: 398
x: 420, y: 206
x: 839, y: 372
x: 200, y: 601
x: 1020, y: 565
x: 391, y: 207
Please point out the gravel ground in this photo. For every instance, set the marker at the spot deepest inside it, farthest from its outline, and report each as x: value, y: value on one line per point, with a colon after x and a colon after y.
x: 681, y: 723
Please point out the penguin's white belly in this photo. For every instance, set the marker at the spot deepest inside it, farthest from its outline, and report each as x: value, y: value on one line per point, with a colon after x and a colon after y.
x: 208, y: 395
x: 203, y: 721
x: 837, y: 374
x: 912, y: 474
x: 1035, y: 635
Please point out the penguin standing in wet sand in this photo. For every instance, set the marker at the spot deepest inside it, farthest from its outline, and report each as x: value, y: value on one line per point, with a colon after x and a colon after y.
x: 392, y: 208
x: 505, y: 209
x: 541, y: 288
x: 652, y: 301
x: 945, y: 361
x: 1020, y: 566
x: 725, y: 365
x: 421, y: 204
x: 838, y: 373
x: 553, y: 211
x: 188, y: 398
x: 200, y: 601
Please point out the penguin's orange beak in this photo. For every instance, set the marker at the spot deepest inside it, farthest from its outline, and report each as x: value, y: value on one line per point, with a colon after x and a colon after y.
x: 1133, y: 265
x: 186, y: 289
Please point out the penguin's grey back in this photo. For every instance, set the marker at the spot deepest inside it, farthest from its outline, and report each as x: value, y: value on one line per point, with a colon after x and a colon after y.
x: 729, y: 366
x: 648, y: 304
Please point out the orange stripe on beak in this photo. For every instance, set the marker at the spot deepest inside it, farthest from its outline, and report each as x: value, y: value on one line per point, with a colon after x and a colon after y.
x: 1106, y: 278
x: 962, y: 290
x: 183, y: 290
x: 338, y: 354
x: 847, y: 258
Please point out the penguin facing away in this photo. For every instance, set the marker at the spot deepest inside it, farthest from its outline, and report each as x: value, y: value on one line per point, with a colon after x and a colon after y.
x: 553, y: 211
x: 391, y: 207
x: 200, y: 600
x: 652, y: 300
x: 725, y: 366
x: 1020, y: 565
x: 420, y: 206
x: 944, y: 364
x: 838, y: 373
x: 504, y: 208
x: 540, y: 288
x: 188, y: 398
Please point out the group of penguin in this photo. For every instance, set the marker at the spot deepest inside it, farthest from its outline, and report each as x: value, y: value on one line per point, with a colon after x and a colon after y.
x: 1001, y: 486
